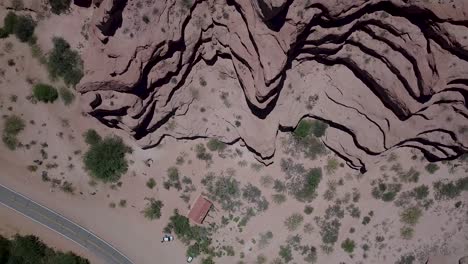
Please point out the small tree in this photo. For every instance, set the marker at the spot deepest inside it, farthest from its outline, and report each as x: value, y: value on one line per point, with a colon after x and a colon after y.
x: 106, y: 159
x: 65, y: 62
x: 45, y: 93
x: 24, y: 28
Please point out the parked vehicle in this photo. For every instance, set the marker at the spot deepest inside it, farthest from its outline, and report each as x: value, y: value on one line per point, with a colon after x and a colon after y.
x: 189, y: 259
x: 167, y: 238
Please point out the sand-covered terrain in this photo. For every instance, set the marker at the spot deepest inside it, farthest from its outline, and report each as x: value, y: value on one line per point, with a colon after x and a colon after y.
x: 323, y: 131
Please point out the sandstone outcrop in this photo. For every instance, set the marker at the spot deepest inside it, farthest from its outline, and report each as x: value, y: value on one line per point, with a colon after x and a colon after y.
x: 382, y: 74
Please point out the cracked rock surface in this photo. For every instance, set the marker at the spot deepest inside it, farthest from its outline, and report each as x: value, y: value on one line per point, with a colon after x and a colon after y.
x: 382, y: 74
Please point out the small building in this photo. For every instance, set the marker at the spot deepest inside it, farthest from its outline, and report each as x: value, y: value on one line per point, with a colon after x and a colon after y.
x: 199, y: 210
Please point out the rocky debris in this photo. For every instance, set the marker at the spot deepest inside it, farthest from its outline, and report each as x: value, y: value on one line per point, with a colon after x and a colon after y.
x: 386, y: 74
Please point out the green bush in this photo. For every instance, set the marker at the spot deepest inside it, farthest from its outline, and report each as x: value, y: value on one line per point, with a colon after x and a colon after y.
x: 153, y: 209
x: 66, y: 95
x: 45, y: 93
x: 13, y: 125
x: 106, y: 159
x: 432, y: 168
x: 64, y: 62
x: 411, y: 215
x: 348, y: 245
x: 216, y: 145
x: 92, y: 137
x: 59, y: 6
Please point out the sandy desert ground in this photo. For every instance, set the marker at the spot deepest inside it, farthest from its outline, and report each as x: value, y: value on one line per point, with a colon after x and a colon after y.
x: 344, y: 195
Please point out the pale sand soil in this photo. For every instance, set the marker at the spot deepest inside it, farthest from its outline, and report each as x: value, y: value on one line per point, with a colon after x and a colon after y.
x: 441, y: 230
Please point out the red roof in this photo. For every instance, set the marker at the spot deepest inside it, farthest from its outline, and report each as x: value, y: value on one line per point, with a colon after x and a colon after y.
x: 199, y: 210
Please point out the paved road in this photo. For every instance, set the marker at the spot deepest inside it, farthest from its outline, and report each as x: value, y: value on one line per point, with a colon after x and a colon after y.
x: 61, y: 225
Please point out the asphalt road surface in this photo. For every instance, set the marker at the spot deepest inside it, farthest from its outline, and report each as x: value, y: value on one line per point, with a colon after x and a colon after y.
x: 61, y: 225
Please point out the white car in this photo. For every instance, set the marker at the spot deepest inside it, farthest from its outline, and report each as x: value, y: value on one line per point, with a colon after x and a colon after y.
x: 189, y: 259
x: 167, y: 238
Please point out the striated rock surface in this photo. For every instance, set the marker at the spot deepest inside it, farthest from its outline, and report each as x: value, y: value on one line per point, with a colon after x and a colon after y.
x: 382, y: 74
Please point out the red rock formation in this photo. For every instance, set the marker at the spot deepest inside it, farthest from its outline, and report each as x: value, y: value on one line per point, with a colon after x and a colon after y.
x: 382, y: 74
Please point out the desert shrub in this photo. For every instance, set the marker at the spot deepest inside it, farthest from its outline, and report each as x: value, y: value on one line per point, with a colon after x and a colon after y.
x: 348, y: 245
x: 265, y: 239
x: 445, y: 190
x: 92, y: 137
x: 303, y: 129
x: 252, y: 194
x: 432, y: 168
x: 407, y: 232
x: 200, y: 150
x: 151, y: 183
x: 45, y: 93
x: 106, y: 159
x: 411, y: 215
x: 173, y: 179
x: 305, y: 140
x: 332, y: 165
x: 386, y: 191
x: 65, y: 62
x: 59, y: 6
x: 308, y: 209
x: 13, y: 125
x: 421, y: 192
x: 216, y: 145
x: 304, y: 187
x: 406, y: 259
x: 266, y: 181
x: 153, y: 209
x: 278, y: 198
x: 261, y: 259
x: 293, y: 221
x: 285, y: 253
x: 410, y: 176
x: 66, y: 95
x: 223, y: 189
x: 329, y: 231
